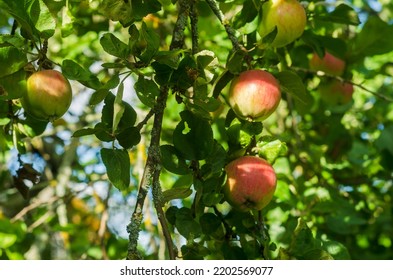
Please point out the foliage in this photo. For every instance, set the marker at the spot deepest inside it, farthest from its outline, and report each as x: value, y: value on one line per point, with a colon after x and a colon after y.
x: 135, y: 169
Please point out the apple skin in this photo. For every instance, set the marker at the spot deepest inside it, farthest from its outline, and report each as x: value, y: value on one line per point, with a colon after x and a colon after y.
x: 290, y: 18
x: 48, y: 96
x: 329, y: 64
x: 335, y: 92
x: 254, y: 95
x: 251, y: 183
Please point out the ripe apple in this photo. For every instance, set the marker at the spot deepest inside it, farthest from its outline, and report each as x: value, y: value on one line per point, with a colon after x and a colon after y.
x: 251, y: 182
x: 254, y: 95
x: 335, y: 92
x: 48, y: 95
x: 329, y: 64
x: 288, y: 15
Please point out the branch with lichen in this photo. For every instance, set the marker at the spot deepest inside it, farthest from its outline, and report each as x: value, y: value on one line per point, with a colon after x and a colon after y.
x: 152, y: 171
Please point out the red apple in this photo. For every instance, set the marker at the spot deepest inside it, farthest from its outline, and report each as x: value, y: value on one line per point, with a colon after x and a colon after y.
x: 334, y: 92
x: 251, y: 182
x: 288, y: 15
x: 329, y: 64
x: 48, y: 95
x: 254, y: 95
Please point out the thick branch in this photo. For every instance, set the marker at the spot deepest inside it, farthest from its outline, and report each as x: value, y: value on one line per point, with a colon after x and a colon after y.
x: 152, y: 164
x: 151, y: 174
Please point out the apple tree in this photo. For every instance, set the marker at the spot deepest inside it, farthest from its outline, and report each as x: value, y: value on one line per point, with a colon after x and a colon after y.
x: 171, y: 149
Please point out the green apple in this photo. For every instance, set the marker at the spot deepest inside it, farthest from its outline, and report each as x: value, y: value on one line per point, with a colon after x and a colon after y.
x: 254, y: 95
x: 48, y: 95
x: 329, y: 64
x: 251, y: 183
x: 288, y: 16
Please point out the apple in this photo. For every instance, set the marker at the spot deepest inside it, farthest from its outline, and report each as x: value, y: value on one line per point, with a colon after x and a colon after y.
x: 251, y: 183
x: 48, y: 95
x: 254, y: 95
x: 335, y: 92
x: 288, y: 15
x: 328, y: 63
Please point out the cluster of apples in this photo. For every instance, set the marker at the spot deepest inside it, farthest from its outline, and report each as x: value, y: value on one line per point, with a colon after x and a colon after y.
x: 254, y: 95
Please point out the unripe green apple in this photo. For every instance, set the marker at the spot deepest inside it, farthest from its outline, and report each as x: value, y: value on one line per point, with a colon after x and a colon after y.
x: 48, y: 95
x: 254, y: 95
x: 251, y: 183
x: 335, y: 92
x: 329, y: 64
x: 288, y: 15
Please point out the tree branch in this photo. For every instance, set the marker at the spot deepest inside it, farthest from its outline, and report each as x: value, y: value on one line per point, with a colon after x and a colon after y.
x: 194, y: 26
x: 230, y: 31
x: 323, y: 74
x: 151, y: 174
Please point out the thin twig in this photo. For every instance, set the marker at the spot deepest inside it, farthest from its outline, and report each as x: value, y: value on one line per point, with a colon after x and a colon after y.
x: 228, y: 28
x: 103, y: 224
x: 145, y: 120
x: 323, y: 74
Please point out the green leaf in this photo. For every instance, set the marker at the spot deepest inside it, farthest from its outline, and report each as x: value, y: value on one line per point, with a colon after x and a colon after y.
x: 193, y: 137
x: 247, y: 14
x: 13, y: 40
x: 74, y: 71
x: 384, y: 141
x: 181, y: 77
x: 337, y: 250
x: 209, y: 223
x: 7, y: 240
x: 185, y: 223
x: 320, y: 44
x: 374, y: 38
x: 170, y: 58
x: 42, y: 19
x: 118, y: 107
x: 117, y: 10
x: 242, y: 132
x: 291, y: 83
x: 141, y: 8
x: 33, y: 16
x: 176, y: 193
x: 117, y: 163
x: 129, y: 137
x: 13, y: 86
x: 163, y: 73
x: 235, y: 62
x: 221, y: 82
x: 270, y: 148
x: 102, y: 132
x: 11, y: 60
x: 342, y: 14
x: 302, y: 239
x: 127, y: 120
x: 152, y: 43
x: 114, y: 46
x: 147, y: 91
x: 212, y: 199
x: 83, y: 132
x: 172, y: 161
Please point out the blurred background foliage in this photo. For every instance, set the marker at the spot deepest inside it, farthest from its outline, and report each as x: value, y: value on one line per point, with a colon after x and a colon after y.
x: 334, y: 163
